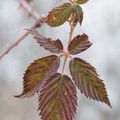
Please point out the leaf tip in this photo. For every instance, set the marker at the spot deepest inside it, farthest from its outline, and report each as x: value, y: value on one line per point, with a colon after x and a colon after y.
x: 108, y: 103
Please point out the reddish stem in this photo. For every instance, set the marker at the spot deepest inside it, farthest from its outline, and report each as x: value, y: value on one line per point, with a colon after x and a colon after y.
x: 29, y: 9
x: 35, y: 15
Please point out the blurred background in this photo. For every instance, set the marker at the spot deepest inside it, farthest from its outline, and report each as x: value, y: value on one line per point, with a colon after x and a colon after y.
x: 102, y: 24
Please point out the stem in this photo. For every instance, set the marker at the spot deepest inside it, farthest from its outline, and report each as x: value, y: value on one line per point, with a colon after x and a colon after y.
x: 64, y: 64
x: 7, y: 50
x: 71, y: 33
x: 35, y: 15
x: 29, y: 9
x: 66, y: 54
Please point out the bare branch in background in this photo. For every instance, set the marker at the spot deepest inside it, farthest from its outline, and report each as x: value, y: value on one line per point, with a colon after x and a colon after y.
x: 32, y: 12
x: 25, y: 4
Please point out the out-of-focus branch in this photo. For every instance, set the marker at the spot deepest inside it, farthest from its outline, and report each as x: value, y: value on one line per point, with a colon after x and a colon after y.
x: 33, y: 14
x: 7, y: 50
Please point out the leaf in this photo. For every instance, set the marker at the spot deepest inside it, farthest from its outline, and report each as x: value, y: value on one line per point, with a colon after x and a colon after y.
x: 29, y: 1
x: 86, y: 79
x: 78, y: 13
x: 81, y: 1
x: 54, y: 46
x: 37, y: 73
x: 79, y: 44
x: 58, y: 98
x: 59, y: 15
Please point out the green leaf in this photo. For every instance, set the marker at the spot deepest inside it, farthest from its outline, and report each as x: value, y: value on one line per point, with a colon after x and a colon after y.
x: 58, y: 98
x: 87, y: 80
x: 81, y: 1
x: 37, y: 73
x: 54, y: 46
x: 78, y: 13
x: 79, y: 44
x: 59, y: 15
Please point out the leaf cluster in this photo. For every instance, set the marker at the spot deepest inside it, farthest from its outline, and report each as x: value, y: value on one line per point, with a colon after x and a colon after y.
x: 57, y: 91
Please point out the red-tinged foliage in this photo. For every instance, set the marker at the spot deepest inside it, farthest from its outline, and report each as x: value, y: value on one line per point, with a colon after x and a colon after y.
x: 79, y: 44
x: 87, y: 80
x: 54, y: 46
x: 59, y: 15
x: 58, y: 99
x: 37, y: 73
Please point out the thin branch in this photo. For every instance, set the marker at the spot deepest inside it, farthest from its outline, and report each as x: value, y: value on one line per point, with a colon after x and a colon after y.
x: 70, y: 33
x: 17, y: 42
x: 35, y: 15
x: 65, y: 60
x: 66, y: 53
x: 72, y: 24
x: 29, y: 9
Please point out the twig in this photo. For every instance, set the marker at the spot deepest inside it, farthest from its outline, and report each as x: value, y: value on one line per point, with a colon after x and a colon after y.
x: 17, y: 42
x: 29, y: 9
x: 35, y: 15
x: 70, y: 33
x: 66, y: 53
x: 72, y: 24
x: 65, y: 60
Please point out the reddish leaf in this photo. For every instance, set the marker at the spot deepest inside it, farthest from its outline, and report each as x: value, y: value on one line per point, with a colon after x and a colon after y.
x: 81, y: 1
x: 59, y: 15
x: 86, y: 79
x: 37, y: 73
x: 58, y: 99
x: 54, y: 46
x: 79, y: 44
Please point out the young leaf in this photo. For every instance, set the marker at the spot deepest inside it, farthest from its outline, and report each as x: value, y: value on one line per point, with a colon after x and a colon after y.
x: 54, y: 46
x: 78, y: 13
x: 86, y: 79
x: 29, y: 0
x: 81, y: 1
x: 37, y: 73
x: 58, y: 98
x: 59, y: 15
x: 79, y: 44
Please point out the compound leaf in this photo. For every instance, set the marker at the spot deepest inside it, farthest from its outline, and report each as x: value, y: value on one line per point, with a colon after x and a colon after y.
x: 87, y: 80
x: 58, y: 99
x: 54, y: 46
x: 59, y: 15
x: 79, y: 44
x: 37, y: 73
